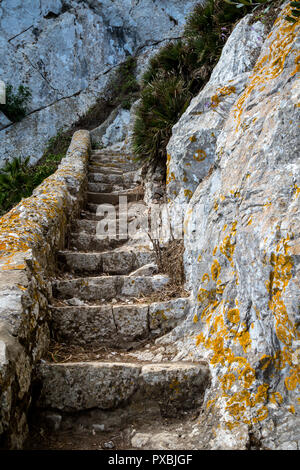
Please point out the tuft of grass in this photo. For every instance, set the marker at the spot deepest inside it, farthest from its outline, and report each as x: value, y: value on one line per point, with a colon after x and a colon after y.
x: 16, y: 103
x: 15, y: 183
x: 163, y: 102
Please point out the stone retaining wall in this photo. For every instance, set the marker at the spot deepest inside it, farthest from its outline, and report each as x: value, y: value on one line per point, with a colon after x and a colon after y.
x: 30, y: 235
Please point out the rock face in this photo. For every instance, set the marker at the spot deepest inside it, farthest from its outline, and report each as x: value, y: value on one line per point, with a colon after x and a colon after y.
x: 239, y: 139
x: 30, y: 234
x: 66, y: 51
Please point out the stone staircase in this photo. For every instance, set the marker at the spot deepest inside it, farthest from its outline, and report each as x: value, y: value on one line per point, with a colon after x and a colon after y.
x: 116, y: 382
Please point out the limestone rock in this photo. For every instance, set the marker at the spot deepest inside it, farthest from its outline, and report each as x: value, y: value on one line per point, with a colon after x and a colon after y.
x: 192, y: 147
x: 4, y: 121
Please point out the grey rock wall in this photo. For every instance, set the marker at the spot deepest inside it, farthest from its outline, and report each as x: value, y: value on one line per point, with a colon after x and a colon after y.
x: 30, y: 235
x: 233, y: 169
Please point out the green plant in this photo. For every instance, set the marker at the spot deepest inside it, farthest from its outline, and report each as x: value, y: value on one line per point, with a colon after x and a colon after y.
x: 15, y: 183
x: 18, y: 179
x: 124, y: 86
x: 295, y: 12
x: 16, y: 103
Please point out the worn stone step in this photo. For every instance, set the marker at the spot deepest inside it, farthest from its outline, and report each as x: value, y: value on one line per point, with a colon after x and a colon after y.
x: 109, y: 262
x: 91, y: 225
x: 82, y: 241
x: 122, y: 164
x: 116, y: 324
x: 72, y: 387
x: 109, y: 287
x: 104, y: 170
x: 109, y: 178
x: 113, y: 198
x: 107, y: 188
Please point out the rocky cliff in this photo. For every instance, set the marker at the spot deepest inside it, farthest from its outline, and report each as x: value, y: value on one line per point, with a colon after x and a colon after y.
x: 233, y: 174
x: 66, y: 53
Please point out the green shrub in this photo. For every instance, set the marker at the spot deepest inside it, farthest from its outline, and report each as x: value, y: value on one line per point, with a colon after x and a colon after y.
x: 124, y: 86
x: 18, y: 179
x: 295, y: 12
x: 177, y: 73
x: 16, y: 103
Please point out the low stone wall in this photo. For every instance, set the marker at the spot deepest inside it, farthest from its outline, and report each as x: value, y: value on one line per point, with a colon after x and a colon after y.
x: 30, y: 235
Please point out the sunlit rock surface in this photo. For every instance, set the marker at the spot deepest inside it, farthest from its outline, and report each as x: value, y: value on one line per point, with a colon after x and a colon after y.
x: 66, y: 52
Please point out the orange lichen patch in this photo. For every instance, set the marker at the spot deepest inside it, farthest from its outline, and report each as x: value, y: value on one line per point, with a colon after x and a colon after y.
x: 261, y: 414
x: 210, y: 403
x: 205, y: 295
x: 261, y: 394
x: 297, y: 62
x: 199, y: 258
x: 227, y: 381
x: 292, y: 409
x: 195, y: 319
x: 293, y: 380
x: 192, y: 138
x: 216, y: 205
x: 244, y: 339
x: 199, y: 155
x: 174, y: 385
x: 168, y: 168
x: 248, y: 376
x: 257, y: 312
x: 272, y: 64
x: 249, y: 222
x: 220, y: 93
x: 205, y: 277
x: 188, y: 193
x: 187, y: 220
x: 170, y: 177
x: 215, y: 251
x: 215, y: 270
x: 233, y: 315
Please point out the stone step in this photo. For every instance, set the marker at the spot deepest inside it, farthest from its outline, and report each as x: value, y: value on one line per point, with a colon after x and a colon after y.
x: 91, y: 223
x: 116, y: 324
x: 122, y: 164
x: 104, y: 170
x: 73, y: 387
x: 107, y: 188
x: 113, y: 198
x: 109, y: 262
x: 108, y: 287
